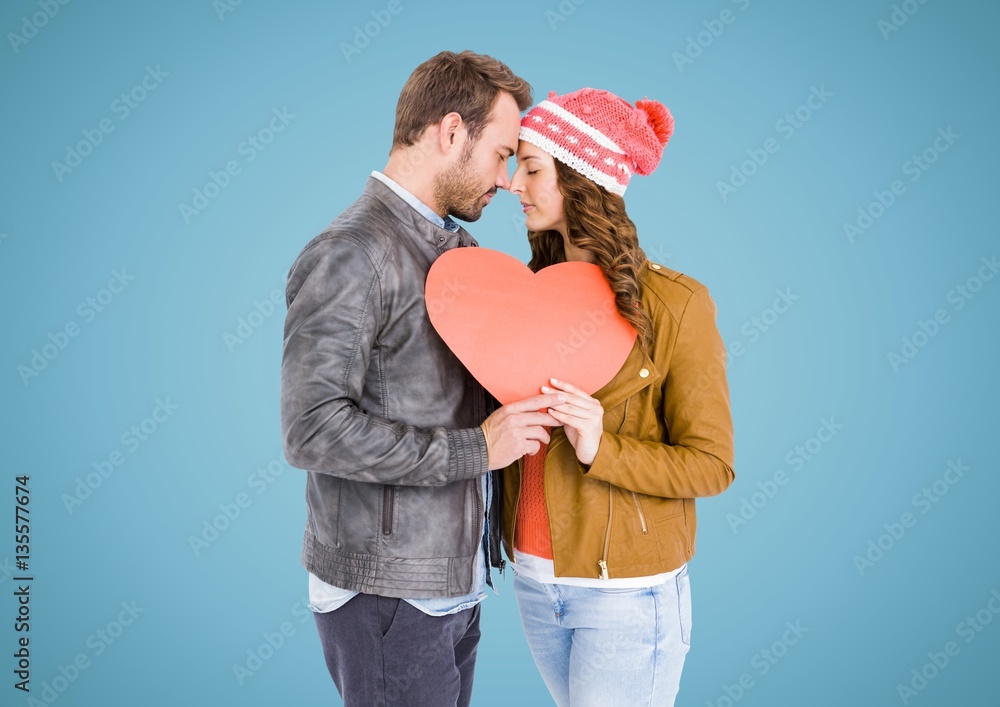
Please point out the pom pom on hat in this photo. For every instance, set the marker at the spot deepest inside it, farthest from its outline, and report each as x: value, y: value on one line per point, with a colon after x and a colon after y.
x: 659, y: 118
x: 656, y: 125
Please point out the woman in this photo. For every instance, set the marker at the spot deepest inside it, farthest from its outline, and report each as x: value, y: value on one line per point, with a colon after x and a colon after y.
x: 600, y: 523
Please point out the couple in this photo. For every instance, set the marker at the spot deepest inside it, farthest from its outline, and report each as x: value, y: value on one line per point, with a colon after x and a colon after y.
x: 416, y: 475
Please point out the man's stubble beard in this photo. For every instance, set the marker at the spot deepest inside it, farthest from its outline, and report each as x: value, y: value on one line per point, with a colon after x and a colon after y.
x: 458, y: 190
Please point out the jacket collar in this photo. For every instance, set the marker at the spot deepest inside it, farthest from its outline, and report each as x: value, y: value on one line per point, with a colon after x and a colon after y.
x: 440, y: 238
x: 636, y: 373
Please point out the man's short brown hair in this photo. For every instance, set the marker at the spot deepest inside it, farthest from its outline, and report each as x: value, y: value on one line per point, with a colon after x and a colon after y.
x: 467, y: 83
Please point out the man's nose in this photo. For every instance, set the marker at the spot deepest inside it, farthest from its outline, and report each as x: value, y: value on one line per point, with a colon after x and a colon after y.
x: 503, y: 180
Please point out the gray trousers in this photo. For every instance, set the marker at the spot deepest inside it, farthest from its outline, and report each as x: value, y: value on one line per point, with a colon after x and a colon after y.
x: 383, y: 651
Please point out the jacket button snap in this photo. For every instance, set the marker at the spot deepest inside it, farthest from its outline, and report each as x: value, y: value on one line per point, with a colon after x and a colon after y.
x: 644, y: 373
x: 654, y: 266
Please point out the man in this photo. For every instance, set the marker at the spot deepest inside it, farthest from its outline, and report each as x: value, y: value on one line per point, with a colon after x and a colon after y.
x: 402, y: 520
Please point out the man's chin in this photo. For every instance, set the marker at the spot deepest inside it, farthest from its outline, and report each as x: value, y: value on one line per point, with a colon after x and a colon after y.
x: 468, y: 215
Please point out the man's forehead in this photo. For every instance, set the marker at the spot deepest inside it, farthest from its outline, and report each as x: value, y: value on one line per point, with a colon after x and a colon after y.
x: 505, y: 114
x: 503, y: 137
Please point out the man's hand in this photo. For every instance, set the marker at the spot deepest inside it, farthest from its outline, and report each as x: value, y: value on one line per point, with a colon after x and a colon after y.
x: 518, y: 428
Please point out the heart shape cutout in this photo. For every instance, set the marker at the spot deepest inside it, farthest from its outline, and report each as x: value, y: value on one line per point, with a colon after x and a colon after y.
x: 514, y: 329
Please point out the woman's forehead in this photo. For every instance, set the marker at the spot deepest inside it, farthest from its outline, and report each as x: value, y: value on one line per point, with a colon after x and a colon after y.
x: 525, y: 150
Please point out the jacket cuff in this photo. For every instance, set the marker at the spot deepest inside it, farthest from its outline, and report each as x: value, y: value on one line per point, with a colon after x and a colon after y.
x: 467, y: 457
x: 585, y: 469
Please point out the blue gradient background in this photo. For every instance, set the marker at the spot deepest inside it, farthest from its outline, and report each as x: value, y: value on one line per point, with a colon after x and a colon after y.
x: 162, y: 337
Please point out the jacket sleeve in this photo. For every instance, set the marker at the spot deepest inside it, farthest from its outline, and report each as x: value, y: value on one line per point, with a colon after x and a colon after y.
x: 334, y: 308
x: 698, y: 460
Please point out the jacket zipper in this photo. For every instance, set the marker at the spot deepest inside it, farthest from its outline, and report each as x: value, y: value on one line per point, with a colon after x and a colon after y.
x: 638, y: 509
x: 479, y: 527
x: 387, y: 501
x: 603, y: 562
x: 496, y: 527
x: 496, y: 523
x: 480, y: 502
x: 517, y: 502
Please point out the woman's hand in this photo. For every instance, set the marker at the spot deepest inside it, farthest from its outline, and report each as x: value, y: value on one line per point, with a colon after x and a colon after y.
x: 582, y: 418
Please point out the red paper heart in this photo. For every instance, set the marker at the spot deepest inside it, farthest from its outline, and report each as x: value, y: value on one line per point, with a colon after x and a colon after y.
x: 514, y: 329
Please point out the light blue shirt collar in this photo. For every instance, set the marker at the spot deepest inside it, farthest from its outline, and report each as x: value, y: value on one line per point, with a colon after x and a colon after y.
x: 421, y: 208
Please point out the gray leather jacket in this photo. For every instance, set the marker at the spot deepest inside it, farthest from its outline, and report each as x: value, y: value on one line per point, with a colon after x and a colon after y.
x: 380, y: 412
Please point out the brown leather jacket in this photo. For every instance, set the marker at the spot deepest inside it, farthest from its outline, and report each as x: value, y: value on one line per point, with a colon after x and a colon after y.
x: 668, y: 439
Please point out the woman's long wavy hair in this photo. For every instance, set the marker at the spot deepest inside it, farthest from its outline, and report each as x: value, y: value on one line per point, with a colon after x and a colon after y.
x: 596, y: 222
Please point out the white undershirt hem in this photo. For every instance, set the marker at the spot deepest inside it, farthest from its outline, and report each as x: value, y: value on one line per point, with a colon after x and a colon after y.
x: 541, y: 570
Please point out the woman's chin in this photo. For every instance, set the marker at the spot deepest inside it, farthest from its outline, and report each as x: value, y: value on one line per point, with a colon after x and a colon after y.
x: 534, y: 224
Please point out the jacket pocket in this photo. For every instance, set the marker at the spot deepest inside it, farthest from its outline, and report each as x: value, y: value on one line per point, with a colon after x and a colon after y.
x: 664, y: 509
x: 642, y: 516
x: 388, y: 501
x: 683, y: 585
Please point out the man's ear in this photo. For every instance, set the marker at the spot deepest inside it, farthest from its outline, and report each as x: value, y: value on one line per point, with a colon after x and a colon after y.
x: 450, y: 132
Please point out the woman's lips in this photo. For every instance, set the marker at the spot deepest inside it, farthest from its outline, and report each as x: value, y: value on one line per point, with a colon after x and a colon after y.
x: 527, y: 207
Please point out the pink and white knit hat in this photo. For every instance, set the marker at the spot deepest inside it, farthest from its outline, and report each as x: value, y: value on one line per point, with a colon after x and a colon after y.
x: 603, y: 137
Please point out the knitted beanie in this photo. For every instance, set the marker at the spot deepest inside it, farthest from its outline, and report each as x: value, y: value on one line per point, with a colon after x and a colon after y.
x: 603, y: 137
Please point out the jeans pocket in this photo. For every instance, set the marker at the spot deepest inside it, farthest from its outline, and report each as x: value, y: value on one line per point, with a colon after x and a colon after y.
x: 619, y: 590
x: 387, y: 609
x: 683, y: 584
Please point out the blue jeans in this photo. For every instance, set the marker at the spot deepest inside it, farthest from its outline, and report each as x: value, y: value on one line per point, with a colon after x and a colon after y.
x: 608, y: 647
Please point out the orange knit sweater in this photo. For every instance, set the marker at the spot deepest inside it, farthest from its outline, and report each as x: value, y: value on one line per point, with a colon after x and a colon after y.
x: 531, y: 532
